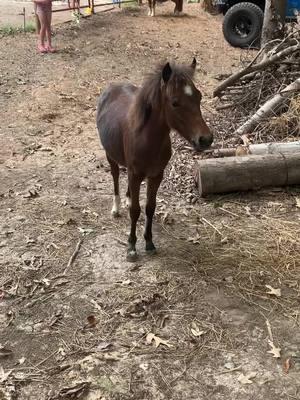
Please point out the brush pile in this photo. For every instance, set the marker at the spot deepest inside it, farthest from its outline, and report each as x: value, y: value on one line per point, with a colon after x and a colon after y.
x: 263, y: 99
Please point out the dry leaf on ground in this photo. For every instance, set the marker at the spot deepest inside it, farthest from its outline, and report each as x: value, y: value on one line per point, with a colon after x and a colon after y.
x: 4, y: 375
x: 272, y: 291
x: 286, y: 365
x: 91, y: 321
x: 196, y: 331
x: 274, y: 350
x: 157, y: 340
x: 246, y: 379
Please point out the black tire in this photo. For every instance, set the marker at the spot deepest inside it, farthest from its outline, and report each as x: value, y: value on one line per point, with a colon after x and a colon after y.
x: 242, y: 24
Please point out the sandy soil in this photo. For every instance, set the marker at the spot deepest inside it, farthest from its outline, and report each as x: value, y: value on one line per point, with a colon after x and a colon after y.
x: 80, y: 332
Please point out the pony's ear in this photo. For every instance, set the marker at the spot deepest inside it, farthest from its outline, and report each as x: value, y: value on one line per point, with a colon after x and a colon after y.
x: 194, y: 63
x: 166, y: 72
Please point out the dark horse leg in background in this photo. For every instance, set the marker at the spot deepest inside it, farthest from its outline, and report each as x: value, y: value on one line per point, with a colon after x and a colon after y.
x: 178, y: 6
x: 152, y: 4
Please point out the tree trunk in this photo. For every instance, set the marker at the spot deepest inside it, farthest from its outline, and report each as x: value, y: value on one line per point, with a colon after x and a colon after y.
x: 274, y: 21
x: 231, y: 174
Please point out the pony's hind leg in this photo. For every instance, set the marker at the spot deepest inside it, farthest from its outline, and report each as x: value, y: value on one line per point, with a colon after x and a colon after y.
x: 134, y: 184
x: 152, y: 188
x: 115, y: 171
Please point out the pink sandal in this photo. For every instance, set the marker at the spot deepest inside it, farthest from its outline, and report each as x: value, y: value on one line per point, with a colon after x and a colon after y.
x: 41, y: 49
x: 51, y: 49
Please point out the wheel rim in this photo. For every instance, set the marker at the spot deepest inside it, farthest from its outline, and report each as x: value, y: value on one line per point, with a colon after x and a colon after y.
x: 242, y: 27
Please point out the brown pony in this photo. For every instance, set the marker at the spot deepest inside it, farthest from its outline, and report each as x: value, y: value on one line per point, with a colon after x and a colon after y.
x: 152, y: 3
x: 134, y: 125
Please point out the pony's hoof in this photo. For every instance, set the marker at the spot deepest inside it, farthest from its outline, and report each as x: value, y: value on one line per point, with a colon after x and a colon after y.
x: 150, y: 249
x: 151, y: 252
x: 132, y: 256
x: 115, y: 214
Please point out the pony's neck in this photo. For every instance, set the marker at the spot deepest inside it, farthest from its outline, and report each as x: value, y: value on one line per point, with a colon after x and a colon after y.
x: 148, y: 111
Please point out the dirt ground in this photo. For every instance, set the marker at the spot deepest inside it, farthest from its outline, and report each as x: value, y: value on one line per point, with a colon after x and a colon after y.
x: 81, y: 327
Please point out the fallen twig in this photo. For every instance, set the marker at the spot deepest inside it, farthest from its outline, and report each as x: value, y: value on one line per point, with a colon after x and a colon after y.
x: 74, y: 255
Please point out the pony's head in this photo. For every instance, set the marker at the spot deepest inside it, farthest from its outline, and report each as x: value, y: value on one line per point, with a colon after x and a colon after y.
x: 181, y: 101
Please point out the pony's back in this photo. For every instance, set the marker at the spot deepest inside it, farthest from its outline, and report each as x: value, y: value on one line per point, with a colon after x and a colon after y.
x: 112, y: 118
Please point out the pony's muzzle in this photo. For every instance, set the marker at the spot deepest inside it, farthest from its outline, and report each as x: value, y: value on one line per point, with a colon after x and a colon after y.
x: 203, y: 142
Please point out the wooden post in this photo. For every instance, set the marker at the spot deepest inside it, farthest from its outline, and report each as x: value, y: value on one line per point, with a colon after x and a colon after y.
x: 231, y: 174
x: 24, y: 19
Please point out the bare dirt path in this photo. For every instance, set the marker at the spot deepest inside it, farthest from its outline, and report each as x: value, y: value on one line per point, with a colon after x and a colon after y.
x: 81, y: 332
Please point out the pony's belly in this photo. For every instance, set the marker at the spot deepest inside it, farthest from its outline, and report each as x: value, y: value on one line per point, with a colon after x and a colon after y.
x: 151, y: 164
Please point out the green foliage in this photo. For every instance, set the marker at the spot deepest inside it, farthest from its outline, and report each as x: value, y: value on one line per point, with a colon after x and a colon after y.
x: 10, y: 30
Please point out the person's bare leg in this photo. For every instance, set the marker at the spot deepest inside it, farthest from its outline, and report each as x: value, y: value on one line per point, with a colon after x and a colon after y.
x: 48, y: 33
x: 42, y: 35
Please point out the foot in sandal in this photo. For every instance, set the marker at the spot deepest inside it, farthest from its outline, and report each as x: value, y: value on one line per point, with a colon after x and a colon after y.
x: 41, y: 48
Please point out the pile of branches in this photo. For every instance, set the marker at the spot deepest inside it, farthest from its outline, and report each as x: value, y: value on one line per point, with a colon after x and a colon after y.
x: 268, y: 87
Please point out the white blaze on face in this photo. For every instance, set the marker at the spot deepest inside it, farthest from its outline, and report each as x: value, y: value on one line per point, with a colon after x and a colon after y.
x: 188, y: 90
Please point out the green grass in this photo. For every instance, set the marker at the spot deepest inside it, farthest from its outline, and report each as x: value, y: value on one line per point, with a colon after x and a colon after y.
x: 132, y: 5
x: 10, y: 30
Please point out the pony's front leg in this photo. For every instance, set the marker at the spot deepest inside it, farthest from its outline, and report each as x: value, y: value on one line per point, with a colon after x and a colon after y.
x: 152, y: 188
x: 134, y: 184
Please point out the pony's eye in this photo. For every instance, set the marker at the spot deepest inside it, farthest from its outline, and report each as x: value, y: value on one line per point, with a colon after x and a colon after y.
x: 175, y: 103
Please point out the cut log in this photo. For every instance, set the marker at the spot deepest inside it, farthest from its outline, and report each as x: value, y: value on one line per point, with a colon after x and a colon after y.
x: 274, y: 148
x: 259, y: 149
x: 234, y: 174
